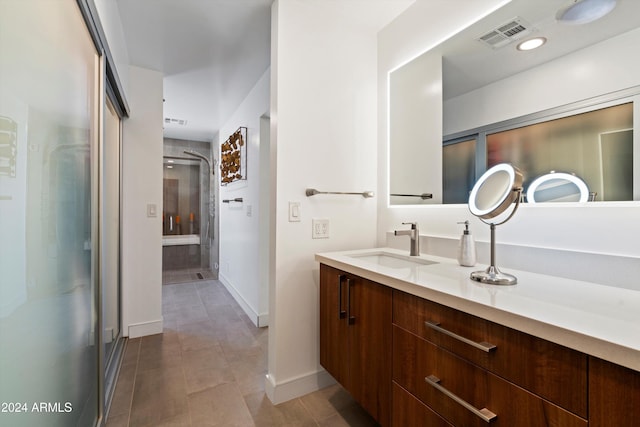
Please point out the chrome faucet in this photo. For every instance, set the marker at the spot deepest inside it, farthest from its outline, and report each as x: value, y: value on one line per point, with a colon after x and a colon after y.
x: 414, y: 235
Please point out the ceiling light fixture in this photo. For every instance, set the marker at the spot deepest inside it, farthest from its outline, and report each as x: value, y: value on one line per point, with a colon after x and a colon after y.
x: 532, y: 43
x: 585, y: 11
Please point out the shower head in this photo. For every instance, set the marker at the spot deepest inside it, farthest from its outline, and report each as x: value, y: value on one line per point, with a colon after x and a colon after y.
x: 200, y: 156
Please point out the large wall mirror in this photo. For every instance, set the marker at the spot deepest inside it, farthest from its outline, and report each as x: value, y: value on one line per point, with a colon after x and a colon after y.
x: 564, y: 110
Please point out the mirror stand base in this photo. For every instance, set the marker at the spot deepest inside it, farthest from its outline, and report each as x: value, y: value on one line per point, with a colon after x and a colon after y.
x: 493, y: 276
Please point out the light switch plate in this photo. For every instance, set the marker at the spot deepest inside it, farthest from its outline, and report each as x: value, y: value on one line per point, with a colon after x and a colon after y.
x: 294, y: 211
x: 152, y: 210
x: 320, y: 228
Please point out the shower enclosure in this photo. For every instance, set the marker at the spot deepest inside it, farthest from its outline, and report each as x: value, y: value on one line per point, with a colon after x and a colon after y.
x: 188, y: 212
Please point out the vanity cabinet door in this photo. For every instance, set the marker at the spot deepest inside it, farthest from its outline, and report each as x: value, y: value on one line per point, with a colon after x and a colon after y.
x: 614, y: 395
x: 355, y: 338
x: 333, y: 331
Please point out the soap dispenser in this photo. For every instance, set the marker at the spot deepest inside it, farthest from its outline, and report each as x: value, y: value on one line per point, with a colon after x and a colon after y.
x: 466, y: 247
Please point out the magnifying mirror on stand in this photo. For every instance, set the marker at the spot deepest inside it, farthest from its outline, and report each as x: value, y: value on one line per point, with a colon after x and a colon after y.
x: 493, y: 194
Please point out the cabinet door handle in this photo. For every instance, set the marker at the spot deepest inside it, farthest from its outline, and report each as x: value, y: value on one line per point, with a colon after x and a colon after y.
x: 341, y: 313
x: 352, y: 319
x: 484, y: 346
x: 483, y: 413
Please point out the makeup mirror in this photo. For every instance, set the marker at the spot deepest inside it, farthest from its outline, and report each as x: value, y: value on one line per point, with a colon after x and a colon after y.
x: 492, y: 195
x: 558, y: 187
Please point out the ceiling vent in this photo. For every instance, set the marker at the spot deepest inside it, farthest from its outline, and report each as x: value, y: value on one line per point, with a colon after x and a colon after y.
x: 505, y: 34
x: 169, y: 121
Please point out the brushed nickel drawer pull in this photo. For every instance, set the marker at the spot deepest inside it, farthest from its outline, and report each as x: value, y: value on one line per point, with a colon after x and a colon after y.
x: 483, y: 413
x: 341, y: 313
x: 484, y: 346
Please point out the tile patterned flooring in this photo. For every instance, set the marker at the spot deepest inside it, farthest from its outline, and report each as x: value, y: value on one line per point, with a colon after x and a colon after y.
x: 208, y: 369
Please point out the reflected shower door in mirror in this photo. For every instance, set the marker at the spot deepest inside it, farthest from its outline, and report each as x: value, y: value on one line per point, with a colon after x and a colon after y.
x: 480, y: 84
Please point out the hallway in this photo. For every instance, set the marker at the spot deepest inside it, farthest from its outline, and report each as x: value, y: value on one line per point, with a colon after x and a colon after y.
x: 208, y: 369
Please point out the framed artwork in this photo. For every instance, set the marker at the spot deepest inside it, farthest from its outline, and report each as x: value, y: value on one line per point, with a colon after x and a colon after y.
x: 233, y: 157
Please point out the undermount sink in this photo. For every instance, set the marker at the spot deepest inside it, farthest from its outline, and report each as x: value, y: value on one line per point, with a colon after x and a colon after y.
x: 390, y: 260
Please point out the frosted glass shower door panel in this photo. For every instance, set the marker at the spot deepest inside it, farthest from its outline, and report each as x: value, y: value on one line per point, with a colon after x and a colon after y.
x: 110, y: 236
x: 48, y: 111
x: 458, y: 171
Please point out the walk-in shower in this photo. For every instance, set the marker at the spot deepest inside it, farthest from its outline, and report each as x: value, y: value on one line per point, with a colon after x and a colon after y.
x: 188, y: 237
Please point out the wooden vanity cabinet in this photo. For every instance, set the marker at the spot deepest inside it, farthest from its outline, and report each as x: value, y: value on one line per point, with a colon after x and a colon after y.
x: 614, y: 395
x: 383, y: 344
x: 355, y: 338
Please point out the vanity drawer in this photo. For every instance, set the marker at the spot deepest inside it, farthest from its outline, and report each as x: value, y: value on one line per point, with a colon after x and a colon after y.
x: 552, y: 371
x: 410, y: 412
x: 415, y: 359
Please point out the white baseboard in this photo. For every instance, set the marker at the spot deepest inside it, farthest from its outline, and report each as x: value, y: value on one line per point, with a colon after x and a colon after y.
x: 260, y: 320
x: 296, y: 387
x: 146, y: 328
x: 263, y: 320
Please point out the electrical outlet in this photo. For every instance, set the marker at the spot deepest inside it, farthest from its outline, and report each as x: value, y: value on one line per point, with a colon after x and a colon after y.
x: 320, y: 228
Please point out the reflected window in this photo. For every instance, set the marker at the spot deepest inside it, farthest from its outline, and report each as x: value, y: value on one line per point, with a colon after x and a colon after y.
x: 596, y: 146
x: 458, y: 170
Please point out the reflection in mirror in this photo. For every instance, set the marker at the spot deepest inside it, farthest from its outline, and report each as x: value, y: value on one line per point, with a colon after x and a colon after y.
x: 597, y: 146
x: 458, y: 170
x: 490, y: 87
x: 558, y: 187
x: 415, y: 109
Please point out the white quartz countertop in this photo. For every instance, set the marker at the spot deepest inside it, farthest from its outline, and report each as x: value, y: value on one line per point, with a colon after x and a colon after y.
x: 598, y: 320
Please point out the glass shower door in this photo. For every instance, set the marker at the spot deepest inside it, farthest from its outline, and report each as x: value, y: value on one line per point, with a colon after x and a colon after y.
x: 48, y: 217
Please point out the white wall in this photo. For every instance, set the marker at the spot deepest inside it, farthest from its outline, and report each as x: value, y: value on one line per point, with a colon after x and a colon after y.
x: 579, y: 242
x: 141, y: 186
x: 323, y: 129
x: 239, y: 222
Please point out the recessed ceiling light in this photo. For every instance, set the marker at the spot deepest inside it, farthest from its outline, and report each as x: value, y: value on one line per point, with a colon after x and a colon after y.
x: 170, y: 161
x: 585, y: 11
x: 532, y: 43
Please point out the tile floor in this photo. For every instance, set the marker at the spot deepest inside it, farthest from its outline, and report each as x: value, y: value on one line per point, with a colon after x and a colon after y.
x: 208, y: 369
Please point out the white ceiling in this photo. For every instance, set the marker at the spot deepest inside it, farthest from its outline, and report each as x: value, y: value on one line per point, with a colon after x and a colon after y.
x: 212, y: 52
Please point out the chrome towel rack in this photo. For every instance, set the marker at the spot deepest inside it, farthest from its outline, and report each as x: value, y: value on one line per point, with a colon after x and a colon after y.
x: 423, y: 196
x: 237, y: 200
x: 312, y: 192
